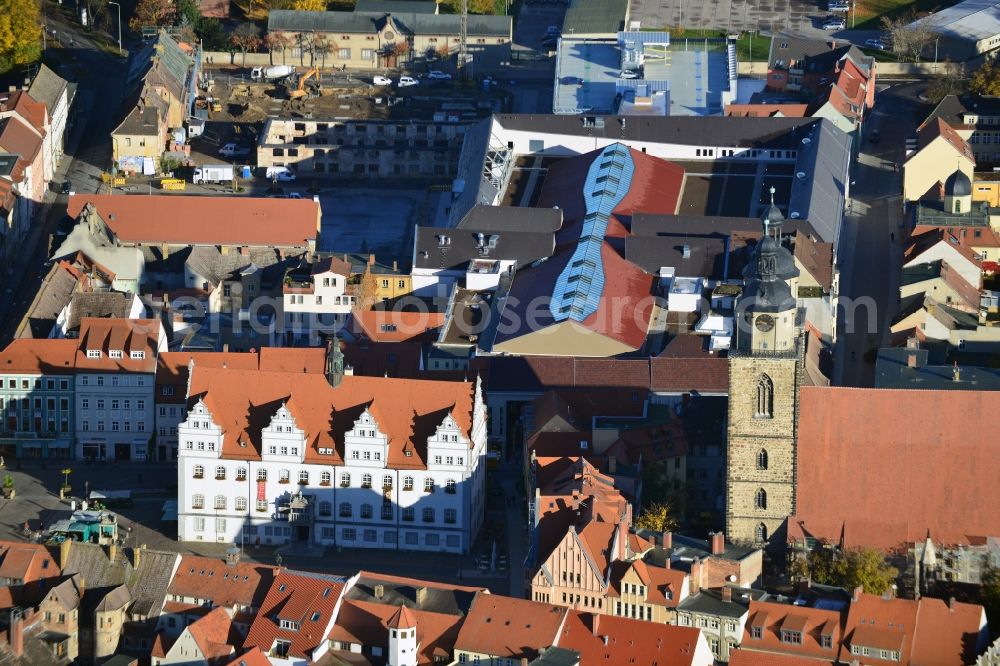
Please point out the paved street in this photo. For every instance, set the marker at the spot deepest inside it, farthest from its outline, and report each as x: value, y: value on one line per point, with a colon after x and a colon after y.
x: 871, y: 244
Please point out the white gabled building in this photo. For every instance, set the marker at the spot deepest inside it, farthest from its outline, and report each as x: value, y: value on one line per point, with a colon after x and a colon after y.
x: 334, y: 459
x: 315, y: 301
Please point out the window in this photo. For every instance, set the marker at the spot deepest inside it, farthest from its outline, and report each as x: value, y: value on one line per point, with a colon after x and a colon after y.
x: 325, y: 509
x: 220, y: 502
x: 366, y: 480
x: 760, y: 500
x: 137, y: 355
x: 428, y: 515
x: 345, y: 510
x: 262, y: 505
x: 387, y: 511
x: 198, y: 502
x: 757, y: 632
x: 449, y: 487
x: 387, y: 482
x: 826, y: 641
x: 262, y: 474
x: 792, y: 637
x: 366, y: 511
x: 199, y: 524
x: 199, y: 472
x: 343, y: 54
x: 93, y: 353
x: 450, y: 515
x: 241, y: 474
x: 220, y: 473
x: 349, y: 534
x: 407, y: 483
x: 428, y: 485
x: 345, y: 480
x: 762, y: 459
x: 408, y: 514
x: 304, y: 477
x: 241, y: 503
x: 324, y: 478
x: 765, y: 397
x: 283, y: 476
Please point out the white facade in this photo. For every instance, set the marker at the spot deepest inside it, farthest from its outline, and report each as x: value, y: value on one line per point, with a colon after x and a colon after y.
x: 319, y: 307
x: 363, y: 503
x: 944, y: 251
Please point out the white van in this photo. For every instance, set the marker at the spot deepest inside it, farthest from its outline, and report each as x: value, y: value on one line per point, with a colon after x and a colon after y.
x: 280, y: 173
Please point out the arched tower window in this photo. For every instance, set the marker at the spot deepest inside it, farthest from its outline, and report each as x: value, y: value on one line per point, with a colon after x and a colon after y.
x: 761, y: 532
x: 762, y: 459
x: 765, y: 397
x: 761, y: 499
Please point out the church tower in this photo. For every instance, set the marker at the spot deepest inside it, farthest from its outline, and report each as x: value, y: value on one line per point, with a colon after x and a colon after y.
x: 765, y: 370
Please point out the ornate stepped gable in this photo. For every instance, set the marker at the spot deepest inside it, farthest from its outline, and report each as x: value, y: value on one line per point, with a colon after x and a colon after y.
x: 398, y: 418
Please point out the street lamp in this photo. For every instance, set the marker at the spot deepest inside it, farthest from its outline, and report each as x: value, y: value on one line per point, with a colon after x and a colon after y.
x: 120, y: 52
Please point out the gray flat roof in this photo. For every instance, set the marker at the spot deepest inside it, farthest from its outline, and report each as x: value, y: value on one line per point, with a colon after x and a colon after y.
x: 586, y: 75
x: 972, y: 20
x: 819, y: 195
x: 594, y: 17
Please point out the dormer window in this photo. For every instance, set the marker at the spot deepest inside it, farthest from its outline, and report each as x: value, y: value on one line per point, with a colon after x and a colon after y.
x: 137, y: 355
x: 115, y: 353
x: 93, y: 353
x: 791, y: 637
x: 288, y: 624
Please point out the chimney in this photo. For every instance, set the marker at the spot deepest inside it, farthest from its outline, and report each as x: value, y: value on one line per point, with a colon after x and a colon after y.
x: 858, y: 591
x: 421, y: 596
x: 956, y: 372
x: 64, y: 549
x: 81, y: 584
x: 395, y: 266
x: 232, y: 556
x: 951, y: 604
x: 17, y: 632
x: 667, y: 540
x: 911, y: 360
x: 137, y: 556
x: 718, y: 542
x: 379, y: 591
x: 112, y: 552
x: 595, y: 622
x: 524, y: 660
x: 727, y: 593
x: 371, y: 259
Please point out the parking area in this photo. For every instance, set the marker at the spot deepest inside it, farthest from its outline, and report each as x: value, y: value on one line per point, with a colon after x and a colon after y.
x: 376, y: 220
x: 798, y: 17
x: 532, y: 22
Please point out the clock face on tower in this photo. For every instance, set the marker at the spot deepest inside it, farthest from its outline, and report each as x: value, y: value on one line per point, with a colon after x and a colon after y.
x: 389, y: 36
x: 764, y: 323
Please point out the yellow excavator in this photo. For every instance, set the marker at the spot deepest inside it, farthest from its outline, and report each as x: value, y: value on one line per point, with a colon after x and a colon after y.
x: 300, y: 91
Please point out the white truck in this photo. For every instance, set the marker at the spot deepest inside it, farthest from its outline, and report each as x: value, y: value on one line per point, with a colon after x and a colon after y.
x: 213, y: 173
x: 272, y: 73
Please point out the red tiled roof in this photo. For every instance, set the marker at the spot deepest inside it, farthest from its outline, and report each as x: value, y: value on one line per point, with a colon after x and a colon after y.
x: 211, y: 634
x: 401, y: 619
x: 252, y: 657
x: 939, y: 128
x: 943, y: 470
x: 509, y: 628
x: 124, y: 335
x: 744, y: 657
x: 161, y: 645
x: 39, y: 355
x: 767, y: 110
x: 659, y: 581
x: 966, y: 237
x: 23, y: 104
x: 242, y: 584
x: 297, y: 598
x: 205, y: 220
x: 630, y: 641
x: 706, y: 374
x: 395, y: 326
x: 26, y: 562
x: 365, y: 623
x: 926, y: 237
x: 172, y: 367
x: 809, y: 622
x: 407, y: 411
x: 18, y: 137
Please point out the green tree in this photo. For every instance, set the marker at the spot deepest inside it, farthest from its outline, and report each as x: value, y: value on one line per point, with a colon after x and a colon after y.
x: 150, y: 13
x: 189, y: 9
x: 309, y: 5
x: 20, y: 33
x: 986, y: 79
x: 213, y: 36
x: 657, y: 517
x: 861, y: 566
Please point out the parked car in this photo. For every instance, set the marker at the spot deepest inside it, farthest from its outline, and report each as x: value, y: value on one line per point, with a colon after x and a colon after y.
x: 628, y: 74
x: 834, y: 23
x: 67, y: 187
x: 875, y: 44
x: 294, y: 195
x: 380, y: 80
x: 283, y: 174
x: 836, y: 6
x: 406, y: 81
x: 438, y: 75
x: 234, y: 150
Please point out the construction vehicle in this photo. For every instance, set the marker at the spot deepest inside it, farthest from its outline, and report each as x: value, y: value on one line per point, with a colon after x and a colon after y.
x: 114, y: 181
x: 172, y: 184
x: 215, y: 104
x: 304, y: 82
x: 213, y: 173
x: 271, y: 73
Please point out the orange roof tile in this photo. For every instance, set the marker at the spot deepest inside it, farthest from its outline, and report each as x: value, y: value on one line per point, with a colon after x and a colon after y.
x: 242, y: 584
x: 606, y: 639
x: 211, y: 634
x: 18, y: 137
x: 365, y: 622
x: 767, y: 110
x: 408, y: 410
x: 395, y: 326
x: 124, y: 335
x: 745, y: 657
x: 39, y: 355
x: 26, y: 562
x: 23, y: 104
x: 509, y: 628
x: 305, y: 599
x: 205, y: 220
x: 252, y: 657
x: 773, y: 617
x: 944, y: 470
x: 401, y: 619
x: 172, y: 367
x: 939, y: 128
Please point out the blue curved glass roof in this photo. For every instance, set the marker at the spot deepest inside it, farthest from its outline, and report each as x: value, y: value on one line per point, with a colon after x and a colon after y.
x: 578, y: 289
